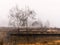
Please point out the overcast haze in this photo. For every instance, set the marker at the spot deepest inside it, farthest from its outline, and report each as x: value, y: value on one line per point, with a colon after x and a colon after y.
x: 45, y: 9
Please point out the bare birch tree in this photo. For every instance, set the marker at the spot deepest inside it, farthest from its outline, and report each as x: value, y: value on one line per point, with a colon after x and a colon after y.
x: 19, y: 18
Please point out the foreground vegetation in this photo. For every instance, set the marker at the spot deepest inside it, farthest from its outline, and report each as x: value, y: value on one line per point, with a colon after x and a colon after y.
x: 33, y: 40
x: 6, y: 39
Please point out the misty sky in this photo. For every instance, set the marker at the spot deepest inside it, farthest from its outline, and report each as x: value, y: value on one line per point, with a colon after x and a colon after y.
x: 45, y: 9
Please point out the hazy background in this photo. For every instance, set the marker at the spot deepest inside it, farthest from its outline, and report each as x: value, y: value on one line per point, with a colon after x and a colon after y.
x: 45, y: 9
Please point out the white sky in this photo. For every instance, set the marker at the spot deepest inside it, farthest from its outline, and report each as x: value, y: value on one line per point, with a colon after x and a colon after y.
x: 46, y: 10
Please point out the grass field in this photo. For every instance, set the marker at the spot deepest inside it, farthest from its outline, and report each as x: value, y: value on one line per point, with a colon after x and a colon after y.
x: 31, y: 40
x: 34, y: 40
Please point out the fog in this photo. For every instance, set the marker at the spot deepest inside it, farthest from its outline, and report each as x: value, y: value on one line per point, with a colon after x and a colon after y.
x: 45, y: 10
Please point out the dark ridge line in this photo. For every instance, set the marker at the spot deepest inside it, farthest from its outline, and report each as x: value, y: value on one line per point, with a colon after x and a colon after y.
x: 35, y: 34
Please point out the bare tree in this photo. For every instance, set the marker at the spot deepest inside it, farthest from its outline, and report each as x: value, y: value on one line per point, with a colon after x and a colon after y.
x: 46, y: 26
x: 43, y: 26
x: 37, y: 24
x: 19, y: 18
